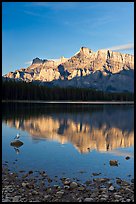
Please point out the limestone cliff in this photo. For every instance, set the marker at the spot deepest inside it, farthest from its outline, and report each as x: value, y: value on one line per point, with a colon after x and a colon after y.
x: 103, y: 70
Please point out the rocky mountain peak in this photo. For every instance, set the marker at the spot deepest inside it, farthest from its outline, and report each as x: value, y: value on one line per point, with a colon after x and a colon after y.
x: 85, y: 51
x: 38, y: 61
x: 103, y: 70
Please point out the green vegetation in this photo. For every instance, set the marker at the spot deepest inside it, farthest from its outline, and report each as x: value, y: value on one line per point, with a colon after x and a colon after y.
x: 13, y: 90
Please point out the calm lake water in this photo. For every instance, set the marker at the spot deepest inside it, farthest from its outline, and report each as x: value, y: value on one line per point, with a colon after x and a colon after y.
x: 69, y: 140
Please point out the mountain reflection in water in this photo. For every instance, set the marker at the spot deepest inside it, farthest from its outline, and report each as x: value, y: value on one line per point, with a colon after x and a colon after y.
x: 99, y: 127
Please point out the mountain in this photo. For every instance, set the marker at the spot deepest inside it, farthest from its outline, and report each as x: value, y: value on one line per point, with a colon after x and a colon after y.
x: 102, y: 70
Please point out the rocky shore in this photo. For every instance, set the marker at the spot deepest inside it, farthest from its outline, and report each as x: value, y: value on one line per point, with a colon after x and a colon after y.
x: 39, y: 187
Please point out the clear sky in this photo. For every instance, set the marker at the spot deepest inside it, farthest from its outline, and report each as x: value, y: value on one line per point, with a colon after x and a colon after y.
x: 49, y: 30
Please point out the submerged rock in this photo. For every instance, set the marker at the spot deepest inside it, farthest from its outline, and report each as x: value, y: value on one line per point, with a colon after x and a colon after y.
x: 96, y: 174
x: 113, y: 163
x: 16, y: 143
x: 101, y: 179
x: 118, y: 181
x: 127, y: 158
x: 132, y: 180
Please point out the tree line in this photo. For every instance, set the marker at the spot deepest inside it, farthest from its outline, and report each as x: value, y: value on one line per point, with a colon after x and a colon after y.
x: 20, y: 90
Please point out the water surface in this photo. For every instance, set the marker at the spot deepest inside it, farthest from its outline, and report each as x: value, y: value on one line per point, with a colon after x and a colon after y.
x: 70, y: 140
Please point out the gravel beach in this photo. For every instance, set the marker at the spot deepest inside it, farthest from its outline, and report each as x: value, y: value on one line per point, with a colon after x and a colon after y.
x: 29, y: 187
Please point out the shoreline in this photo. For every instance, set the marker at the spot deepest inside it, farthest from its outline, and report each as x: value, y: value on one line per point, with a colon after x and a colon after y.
x: 26, y: 187
x: 68, y: 102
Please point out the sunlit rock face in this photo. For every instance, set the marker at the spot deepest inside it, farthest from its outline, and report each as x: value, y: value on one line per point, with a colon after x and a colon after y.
x: 103, y: 70
x: 101, y: 132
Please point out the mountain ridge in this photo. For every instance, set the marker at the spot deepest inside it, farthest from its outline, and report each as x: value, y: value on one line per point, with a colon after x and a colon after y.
x: 103, y: 70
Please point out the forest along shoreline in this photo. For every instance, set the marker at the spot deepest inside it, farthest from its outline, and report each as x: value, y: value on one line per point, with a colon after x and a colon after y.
x: 19, y: 90
x: 26, y: 187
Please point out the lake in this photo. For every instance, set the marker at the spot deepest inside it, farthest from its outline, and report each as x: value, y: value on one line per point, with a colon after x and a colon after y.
x: 71, y: 140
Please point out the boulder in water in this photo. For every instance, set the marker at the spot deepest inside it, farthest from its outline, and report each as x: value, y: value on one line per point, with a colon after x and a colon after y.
x: 113, y: 163
x: 16, y: 143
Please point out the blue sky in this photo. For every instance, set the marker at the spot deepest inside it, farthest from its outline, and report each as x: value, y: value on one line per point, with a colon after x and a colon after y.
x: 49, y: 30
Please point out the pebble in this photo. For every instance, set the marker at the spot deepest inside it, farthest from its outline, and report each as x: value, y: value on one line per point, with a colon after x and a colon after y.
x: 66, y: 182
x: 128, y: 200
x: 6, y: 200
x: 96, y: 174
x: 67, y: 187
x: 88, y: 200
x: 16, y: 199
x: 30, y: 172
x: 101, y: 179
x: 132, y: 180
x: 35, y: 193
x: 49, y: 190
x: 46, y: 197
x: 105, y: 196
x: 73, y: 185
x: 60, y: 193
x: 81, y: 172
x: 117, y: 196
x: 111, y: 188
x: 81, y: 188
x: 118, y: 181
x: 24, y: 184
x: 94, y: 190
x: 102, y: 199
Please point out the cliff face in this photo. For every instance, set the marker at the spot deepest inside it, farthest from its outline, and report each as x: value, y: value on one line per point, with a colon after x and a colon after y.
x: 104, y: 70
x: 103, y: 60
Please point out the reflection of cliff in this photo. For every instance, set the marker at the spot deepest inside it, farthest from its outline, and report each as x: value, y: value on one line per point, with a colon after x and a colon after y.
x: 84, y: 136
